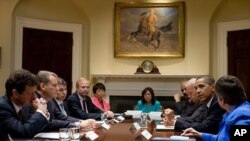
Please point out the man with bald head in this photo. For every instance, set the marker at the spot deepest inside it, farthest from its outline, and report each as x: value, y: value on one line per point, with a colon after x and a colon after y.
x: 80, y: 104
x: 208, y: 116
x: 192, y: 101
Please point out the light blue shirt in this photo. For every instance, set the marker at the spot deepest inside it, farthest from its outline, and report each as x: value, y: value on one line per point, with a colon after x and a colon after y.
x: 146, y: 108
x: 239, y: 115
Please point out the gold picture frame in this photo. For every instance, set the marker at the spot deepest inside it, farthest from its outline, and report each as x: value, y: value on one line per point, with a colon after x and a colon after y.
x: 149, y: 29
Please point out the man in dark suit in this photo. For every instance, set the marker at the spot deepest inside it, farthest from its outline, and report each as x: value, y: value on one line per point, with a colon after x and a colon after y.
x: 59, y: 102
x: 191, y: 101
x: 20, y: 90
x: 181, y: 100
x: 208, y: 116
x: 80, y: 104
x: 48, y: 89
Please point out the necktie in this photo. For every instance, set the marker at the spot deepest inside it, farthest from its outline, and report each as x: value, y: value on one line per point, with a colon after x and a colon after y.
x: 85, y: 108
x: 62, y: 109
x: 20, y: 115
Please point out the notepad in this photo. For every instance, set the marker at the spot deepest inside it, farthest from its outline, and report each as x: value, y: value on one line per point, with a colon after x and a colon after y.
x: 172, y: 138
x: 99, y: 122
x: 163, y: 127
x: 179, y: 138
x: 134, y: 113
x: 47, y: 135
x: 155, y: 115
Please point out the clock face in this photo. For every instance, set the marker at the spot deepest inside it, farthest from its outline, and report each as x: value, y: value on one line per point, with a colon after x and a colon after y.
x: 147, y: 66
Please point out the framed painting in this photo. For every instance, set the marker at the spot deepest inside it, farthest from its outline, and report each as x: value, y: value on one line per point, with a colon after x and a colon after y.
x: 149, y: 29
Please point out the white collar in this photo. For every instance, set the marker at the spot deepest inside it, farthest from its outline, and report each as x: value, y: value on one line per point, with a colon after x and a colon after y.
x: 17, y: 108
x: 58, y: 101
x: 209, y: 102
x: 80, y: 97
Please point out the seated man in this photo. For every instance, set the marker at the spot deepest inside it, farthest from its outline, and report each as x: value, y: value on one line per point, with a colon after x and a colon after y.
x: 231, y: 97
x: 191, y: 101
x: 81, y: 105
x: 180, y: 105
x: 47, y: 89
x: 20, y: 90
x: 61, y: 95
x: 207, y: 117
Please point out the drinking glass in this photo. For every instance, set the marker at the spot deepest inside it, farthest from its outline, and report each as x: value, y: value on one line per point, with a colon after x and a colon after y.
x: 75, y: 131
x: 144, y: 119
x: 64, y: 134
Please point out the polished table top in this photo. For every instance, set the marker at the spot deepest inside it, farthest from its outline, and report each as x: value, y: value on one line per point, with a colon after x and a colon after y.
x: 124, y: 131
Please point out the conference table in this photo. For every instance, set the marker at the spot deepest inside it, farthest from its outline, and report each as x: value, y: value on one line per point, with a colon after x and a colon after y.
x: 125, y: 131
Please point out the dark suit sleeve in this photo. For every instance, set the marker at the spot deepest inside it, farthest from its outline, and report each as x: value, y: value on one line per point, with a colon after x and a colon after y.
x: 197, y: 117
x: 10, y: 124
x: 179, y: 106
x: 206, y: 122
x: 58, y: 114
x: 76, y: 111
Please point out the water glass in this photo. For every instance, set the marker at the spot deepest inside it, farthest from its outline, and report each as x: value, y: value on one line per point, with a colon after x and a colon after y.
x: 64, y: 134
x: 75, y: 131
x: 144, y: 119
x: 161, y: 108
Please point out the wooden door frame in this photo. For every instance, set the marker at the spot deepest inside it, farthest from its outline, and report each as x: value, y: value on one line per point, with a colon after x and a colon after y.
x: 223, y: 29
x: 76, y: 29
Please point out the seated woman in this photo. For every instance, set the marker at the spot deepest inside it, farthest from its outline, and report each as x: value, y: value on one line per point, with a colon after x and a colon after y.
x: 99, y: 92
x: 148, y: 102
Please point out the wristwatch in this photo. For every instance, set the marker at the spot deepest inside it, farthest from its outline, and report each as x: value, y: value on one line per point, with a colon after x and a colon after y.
x: 147, y: 66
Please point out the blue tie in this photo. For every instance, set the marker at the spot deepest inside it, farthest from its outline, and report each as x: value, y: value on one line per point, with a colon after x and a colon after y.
x: 62, y: 109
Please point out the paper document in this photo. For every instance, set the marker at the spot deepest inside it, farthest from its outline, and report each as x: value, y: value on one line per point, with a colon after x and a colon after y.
x: 47, y: 135
x: 172, y: 138
x: 155, y: 115
x: 99, y: 122
x: 134, y: 113
x: 179, y: 138
x: 163, y: 127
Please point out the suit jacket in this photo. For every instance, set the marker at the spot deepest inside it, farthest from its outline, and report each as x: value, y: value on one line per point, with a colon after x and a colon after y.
x: 180, y: 107
x: 58, y: 106
x: 76, y: 110
x: 206, y: 120
x: 11, y: 124
x: 189, y: 109
x: 57, y: 119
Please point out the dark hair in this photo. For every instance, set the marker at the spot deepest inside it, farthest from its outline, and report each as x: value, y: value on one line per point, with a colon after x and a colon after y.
x: 61, y: 81
x: 98, y: 86
x: 152, y: 93
x: 208, y: 79
x: 18, y: 80
x: 230, y: 89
